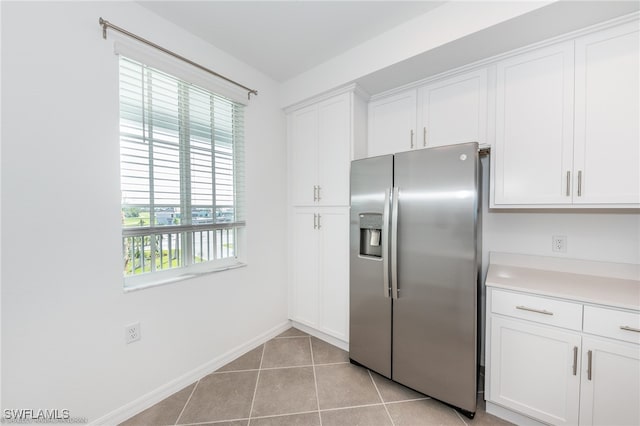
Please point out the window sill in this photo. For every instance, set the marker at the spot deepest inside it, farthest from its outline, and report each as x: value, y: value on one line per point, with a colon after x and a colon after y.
x: 159, y: 281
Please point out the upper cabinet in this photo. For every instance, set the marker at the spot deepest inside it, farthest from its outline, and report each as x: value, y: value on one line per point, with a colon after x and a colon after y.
x: 445, y: 112
x: 607, y: 117
x: 392, y: 124
x: 567, y: 124
x: 534, y: 127
x: 322, y: 142
x: 453, y: 110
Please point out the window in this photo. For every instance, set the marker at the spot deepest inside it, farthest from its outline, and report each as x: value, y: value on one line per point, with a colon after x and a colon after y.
x: 182, y: 170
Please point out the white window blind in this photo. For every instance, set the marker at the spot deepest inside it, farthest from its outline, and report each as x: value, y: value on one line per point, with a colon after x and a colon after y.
x: 182, y: 172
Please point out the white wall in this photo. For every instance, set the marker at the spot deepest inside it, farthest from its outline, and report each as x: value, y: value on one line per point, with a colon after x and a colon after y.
x: 63, y: 306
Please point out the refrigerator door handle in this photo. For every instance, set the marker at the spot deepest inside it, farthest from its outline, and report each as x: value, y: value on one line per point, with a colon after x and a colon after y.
x: 394, y: 244
x: 385, y: 243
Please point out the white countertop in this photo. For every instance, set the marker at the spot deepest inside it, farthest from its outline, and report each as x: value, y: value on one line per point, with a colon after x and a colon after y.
x: 612, y: 284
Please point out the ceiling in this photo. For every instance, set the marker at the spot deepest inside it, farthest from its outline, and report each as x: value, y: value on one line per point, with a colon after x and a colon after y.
x: 286, y: 38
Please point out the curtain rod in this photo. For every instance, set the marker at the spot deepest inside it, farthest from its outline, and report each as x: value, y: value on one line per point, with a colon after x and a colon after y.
x: 106, y: 24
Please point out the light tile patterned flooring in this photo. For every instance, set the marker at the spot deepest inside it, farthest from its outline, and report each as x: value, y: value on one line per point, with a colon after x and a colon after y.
x: 298, y: 380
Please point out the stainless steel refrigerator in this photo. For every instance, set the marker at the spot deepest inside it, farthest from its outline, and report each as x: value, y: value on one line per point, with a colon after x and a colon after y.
x: 415, y: 261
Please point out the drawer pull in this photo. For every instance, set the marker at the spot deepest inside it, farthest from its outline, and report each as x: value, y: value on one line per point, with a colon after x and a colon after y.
x: 575, y: 360
x: 538, y: 311
x: 626, y: 327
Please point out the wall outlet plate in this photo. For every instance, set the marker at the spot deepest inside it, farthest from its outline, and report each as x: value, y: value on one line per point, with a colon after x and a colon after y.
x: 132, y: 332
x: 559, y: 243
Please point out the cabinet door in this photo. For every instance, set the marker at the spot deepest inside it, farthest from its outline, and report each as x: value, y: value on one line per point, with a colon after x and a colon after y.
x: 392, y: 124
x: 334, y: 150
x: 334, y: 273
x: 610, y: 392
x: 607, y: 136
x: 534, y: 127
x: 532, y: 370
x: 303, y: 141
x: 304, y: 258
x: 454, y: 110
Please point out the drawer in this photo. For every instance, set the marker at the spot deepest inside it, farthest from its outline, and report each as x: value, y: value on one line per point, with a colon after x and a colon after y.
x: 538, y: 309
x: 612, y: 323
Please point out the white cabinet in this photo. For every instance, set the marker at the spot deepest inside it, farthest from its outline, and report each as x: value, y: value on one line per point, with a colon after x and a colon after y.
x: 392, y: 124
x: 453, y: 110
x: 562, y: 362
x: 324, y: 135
x: 305, y: 254
x: 607, y: 116
x: 320, y: 138
x: 444, y: 112
x: 567, y: 126
x: 610, y: 392
x: 303, y: 138
x: 534, y: 370
x: 534, y: 127
x: 320, y: 269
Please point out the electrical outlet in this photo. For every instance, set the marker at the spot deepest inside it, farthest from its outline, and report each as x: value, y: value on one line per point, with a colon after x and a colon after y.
x: 132, y: 333
x: 559, y: 243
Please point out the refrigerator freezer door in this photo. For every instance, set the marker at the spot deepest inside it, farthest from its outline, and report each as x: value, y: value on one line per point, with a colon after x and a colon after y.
x: 370, y: 303
x: 434, y: 316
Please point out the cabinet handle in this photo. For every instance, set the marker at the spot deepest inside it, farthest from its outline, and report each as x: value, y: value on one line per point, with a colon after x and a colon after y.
x: 411, y: 138
x: 538, y: 311
x: 315, y: 193
x: 575, y: 360
x: 589, y: 360
x: 424, y: 137
x: 568, y: 183
x: 579, y: 183
x: 319, y: 188
x: 319, y: 226
x: 315, y: 221
x: 627, y: 328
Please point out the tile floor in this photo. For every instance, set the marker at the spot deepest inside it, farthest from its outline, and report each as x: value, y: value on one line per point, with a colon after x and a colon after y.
x: 297, y: 379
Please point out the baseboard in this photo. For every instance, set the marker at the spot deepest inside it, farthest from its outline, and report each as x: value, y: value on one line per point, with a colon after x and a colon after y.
x: 129, y: 410
x: 322, y: 336
x: 511, y: 416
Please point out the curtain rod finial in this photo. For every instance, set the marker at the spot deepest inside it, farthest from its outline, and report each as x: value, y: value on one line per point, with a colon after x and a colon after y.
x: 103, y: 23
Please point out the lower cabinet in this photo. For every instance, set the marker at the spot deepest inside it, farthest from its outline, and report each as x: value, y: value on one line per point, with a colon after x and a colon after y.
x: 610, y: 392
x: 320, y: 269
x: 541, y: 365
x: 534, y: 370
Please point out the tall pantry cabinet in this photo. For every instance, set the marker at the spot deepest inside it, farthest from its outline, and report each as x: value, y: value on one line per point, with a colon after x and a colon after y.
x: 324, y: 135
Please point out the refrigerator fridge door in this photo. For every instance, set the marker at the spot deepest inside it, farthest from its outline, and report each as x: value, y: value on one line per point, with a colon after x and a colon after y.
x: 434, y: 315
x: 370, y: 302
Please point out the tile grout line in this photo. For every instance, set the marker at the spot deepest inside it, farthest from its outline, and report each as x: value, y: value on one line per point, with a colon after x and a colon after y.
x: 291, y: 337
x: 380, y: 396
x: 277, y: 368
x: 315, y: 380
x: 459, y: 416
x: 187, y: 403
x: 255, y: 390
x: 425, y: 398
x: 216, y: 422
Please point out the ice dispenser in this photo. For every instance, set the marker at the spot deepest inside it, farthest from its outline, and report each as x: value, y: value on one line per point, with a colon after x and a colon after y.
x: 371, y: 234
